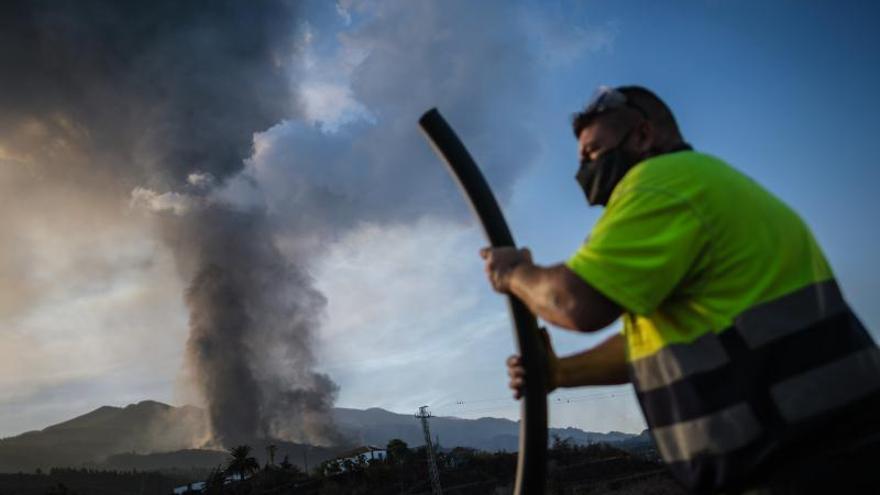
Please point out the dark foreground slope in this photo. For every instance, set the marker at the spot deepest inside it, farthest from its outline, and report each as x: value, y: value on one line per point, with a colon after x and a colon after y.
x: 84, y: 482
x: 595, y: 469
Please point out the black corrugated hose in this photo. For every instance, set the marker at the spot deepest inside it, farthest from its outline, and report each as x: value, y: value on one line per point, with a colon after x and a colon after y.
x: 531, y: 471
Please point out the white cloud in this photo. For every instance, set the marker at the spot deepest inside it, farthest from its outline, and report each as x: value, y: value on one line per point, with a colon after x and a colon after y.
x: 330, y: 105
x: 564, y: 35
x: 104, y: 316
x: 411, y: 321
x: 200, y: 180
x: 390, y: 288
x: 174, y: 202
x: 407, y: 308
x: 323, y: 78
x: 342, y: 8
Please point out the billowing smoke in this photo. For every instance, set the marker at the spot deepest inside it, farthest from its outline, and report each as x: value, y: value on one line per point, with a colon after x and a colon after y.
x: 396, y: 60
x: 254, y: 134
x: 252, y: 318
x: 162, y: 98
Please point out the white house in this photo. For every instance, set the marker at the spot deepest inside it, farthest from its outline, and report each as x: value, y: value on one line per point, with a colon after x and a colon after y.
x: 196, y: 487
x: 360, y: 455
x: 199, y: 486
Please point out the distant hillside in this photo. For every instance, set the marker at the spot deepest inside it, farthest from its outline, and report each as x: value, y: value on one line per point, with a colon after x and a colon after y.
x: 147, y: 426
x: 186, y: 459
x: 152, y: 435
x: 377, y: 426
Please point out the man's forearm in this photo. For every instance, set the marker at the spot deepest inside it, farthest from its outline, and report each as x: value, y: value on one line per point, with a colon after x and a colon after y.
x: 604, y: 364
x: 560, y: 297
x: 539, y: 289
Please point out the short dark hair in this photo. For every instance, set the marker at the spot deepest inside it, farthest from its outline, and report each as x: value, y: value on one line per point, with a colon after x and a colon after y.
x: 640, y: 99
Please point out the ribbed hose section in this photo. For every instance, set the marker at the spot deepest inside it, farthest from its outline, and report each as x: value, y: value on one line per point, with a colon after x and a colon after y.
x: 531, y: 471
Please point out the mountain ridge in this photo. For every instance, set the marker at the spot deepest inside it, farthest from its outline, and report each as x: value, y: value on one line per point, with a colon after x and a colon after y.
x: 154, y: 435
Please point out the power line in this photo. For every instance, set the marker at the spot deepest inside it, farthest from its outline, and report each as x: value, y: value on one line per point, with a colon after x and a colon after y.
x: 458, y: 407
x: 511, y: 406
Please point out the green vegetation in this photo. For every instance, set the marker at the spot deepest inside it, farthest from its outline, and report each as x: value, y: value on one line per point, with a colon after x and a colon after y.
x: 573, y: 469
x: 241, y: 463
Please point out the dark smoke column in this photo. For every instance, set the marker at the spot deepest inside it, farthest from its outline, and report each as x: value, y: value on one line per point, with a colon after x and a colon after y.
x: 219, y: 355
x: 159, y: 101
x: 252, y: 315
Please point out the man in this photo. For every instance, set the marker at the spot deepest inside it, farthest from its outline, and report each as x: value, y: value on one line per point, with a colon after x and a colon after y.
x: 751, y: 370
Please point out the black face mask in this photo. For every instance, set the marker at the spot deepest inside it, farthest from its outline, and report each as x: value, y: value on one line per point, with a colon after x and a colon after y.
x: 598, y: 177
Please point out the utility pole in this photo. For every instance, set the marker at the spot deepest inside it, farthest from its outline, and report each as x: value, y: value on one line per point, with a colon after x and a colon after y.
x: 306, y: 459
x: 423, y: 415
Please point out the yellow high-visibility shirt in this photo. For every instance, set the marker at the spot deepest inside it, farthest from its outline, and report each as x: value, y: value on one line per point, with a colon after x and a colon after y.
x: 687, y: 243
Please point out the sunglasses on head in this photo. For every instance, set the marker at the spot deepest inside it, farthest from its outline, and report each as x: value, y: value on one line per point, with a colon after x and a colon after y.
x: 607, y: 98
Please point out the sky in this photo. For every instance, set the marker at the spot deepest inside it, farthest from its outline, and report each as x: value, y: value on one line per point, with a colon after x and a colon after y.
x: 93, y: 312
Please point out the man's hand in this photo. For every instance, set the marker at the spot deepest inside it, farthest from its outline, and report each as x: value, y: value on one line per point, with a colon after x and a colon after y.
x: 500, y: 263
x: 517, y: 372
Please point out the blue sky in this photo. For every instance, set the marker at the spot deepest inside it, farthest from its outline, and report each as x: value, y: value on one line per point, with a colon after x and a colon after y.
x: 785, y: 91
x: 782, y: 91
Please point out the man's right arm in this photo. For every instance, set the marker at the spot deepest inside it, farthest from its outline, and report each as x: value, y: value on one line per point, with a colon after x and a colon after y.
x: 604, y: 364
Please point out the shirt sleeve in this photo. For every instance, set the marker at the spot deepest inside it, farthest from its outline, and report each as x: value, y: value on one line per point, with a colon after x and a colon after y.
x: 641, y: 248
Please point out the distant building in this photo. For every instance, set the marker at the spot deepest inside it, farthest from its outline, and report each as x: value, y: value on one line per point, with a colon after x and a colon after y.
x: 358, y: 456
x: 199, y: 486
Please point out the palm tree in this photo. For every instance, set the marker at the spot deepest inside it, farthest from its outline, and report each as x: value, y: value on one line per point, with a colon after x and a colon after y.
x: 214, y: 483
x: 241, y: 462
x: 270, y: 450
x: 397, y: 451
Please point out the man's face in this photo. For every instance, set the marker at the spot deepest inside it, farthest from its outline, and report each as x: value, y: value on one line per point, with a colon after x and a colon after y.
x: 597, y: 138
x: 605, y: 133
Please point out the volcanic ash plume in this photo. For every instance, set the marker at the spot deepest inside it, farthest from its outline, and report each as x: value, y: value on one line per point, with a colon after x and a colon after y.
x: 162, y: 98
x: 157, y: 103
x: 252, y: 314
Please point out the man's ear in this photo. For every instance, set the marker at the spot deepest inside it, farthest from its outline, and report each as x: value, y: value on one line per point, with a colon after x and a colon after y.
x: 646, y: 137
